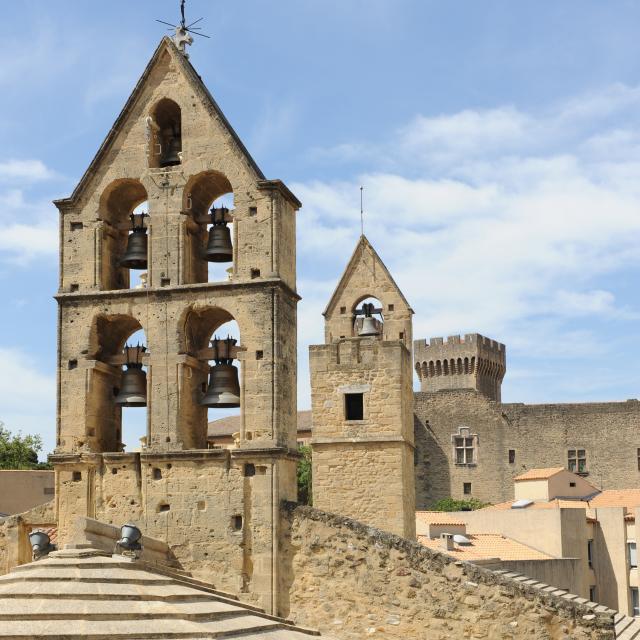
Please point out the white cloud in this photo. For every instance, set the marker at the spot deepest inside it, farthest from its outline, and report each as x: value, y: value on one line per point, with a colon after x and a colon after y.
x: 498, y: 221
x: 25, y: 171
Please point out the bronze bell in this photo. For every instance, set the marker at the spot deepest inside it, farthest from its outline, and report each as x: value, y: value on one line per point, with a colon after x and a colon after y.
x: 219, y: 247
x: 171, y: 147
x: 369, y: 325
x: 224, y: 387
x: 133, y: 391
x: 135, y: 257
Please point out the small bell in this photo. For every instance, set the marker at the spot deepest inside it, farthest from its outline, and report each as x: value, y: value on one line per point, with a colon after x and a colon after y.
x: 219, y: 247
x: 369, y: 326
x: 223, y: 391
x: 171, y: 147
x: 133, y: 392
x: 135, y: 257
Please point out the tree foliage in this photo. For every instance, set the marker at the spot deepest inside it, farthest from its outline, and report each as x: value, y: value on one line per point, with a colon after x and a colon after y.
x: 450, y: 504
x: 305, y: 480
x: 20, y: 452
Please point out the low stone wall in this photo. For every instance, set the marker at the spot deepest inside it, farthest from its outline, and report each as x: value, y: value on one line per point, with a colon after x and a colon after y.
x: 354, y: 581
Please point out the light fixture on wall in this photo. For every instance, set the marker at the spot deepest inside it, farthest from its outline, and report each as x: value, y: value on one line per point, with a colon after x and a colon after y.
x: 133, y: 392
x: 40, y: 544
x: 129, y: 542
x: 223, y: 391
x: 219, y: 247
x: 135, y: 257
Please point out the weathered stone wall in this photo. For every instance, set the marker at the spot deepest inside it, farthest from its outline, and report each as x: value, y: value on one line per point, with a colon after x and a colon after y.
x: 355, y: 581
x: 540, y: 435
x: 14, y: 534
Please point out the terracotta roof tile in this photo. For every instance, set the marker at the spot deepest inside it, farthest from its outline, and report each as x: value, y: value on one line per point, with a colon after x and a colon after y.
x: 539, y: 474
x: 438, y: 518
x: 487, y: 545
x: 628, y: 498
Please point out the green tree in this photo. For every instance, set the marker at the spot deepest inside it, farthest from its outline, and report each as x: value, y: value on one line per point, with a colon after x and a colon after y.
x: 20, y: 452
x: 450, y: 504
x: 305, y: 480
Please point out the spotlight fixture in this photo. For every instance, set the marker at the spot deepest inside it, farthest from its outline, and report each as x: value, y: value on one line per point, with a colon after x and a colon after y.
x: 40, y: 544
x: 129, y: 542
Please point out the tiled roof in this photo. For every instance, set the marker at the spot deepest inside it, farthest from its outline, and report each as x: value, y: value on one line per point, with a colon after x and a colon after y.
x: 437, y: 518
x: 539, y: 474
x: 552, y: 504
x: 230, y: 425
x: 487, y: 545
x: 628, y: 498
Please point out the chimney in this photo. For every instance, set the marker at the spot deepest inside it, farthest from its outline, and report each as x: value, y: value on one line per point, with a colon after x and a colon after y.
x: 446, y: 542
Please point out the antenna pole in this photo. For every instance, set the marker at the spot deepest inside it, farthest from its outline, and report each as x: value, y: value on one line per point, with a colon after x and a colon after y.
x: 362, y: 210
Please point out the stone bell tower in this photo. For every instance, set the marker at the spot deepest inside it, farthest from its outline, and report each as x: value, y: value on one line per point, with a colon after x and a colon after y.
x: 173, y: 149
x: 362, y: 400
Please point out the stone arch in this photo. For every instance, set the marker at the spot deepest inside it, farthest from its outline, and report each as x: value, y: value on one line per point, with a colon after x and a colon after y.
x: 356, y: 312
x: 165, y: 139
x: 199, y: 195
x: 118, y: 201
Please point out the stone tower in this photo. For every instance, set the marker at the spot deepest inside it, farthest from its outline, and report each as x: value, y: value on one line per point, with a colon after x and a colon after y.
x: 362, y: 401
x: 217, y: 509
x: 469, y: 362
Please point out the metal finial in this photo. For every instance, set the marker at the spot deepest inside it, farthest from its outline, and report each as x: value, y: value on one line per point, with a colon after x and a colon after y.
x: 362, y: 210
x: 184, y: 31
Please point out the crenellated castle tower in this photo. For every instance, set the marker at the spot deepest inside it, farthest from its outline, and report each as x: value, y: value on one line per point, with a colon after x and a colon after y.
x: 362, y: 400
x: 172, y: 149
x: 469, y: 362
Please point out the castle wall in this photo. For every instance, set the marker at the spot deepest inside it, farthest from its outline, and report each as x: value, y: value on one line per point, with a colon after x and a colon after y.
x: 352, y: 581
x: 540, y: 436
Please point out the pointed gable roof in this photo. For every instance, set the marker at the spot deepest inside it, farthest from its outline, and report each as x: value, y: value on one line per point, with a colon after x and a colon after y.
x: 363, y: 246
x: 166, y: 44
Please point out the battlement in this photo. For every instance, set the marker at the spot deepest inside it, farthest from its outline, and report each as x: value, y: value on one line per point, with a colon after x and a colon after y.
x: 468, y: 340
x: 471, y: 361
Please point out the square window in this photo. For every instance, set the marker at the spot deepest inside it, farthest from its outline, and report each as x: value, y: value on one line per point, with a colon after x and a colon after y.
x: 253, y: 211
x: 354, y: 406
x: 512, y: 456
x: 391, y: 307
x: 466, y: 488
x: 76, y: 476
x: 343, y: 310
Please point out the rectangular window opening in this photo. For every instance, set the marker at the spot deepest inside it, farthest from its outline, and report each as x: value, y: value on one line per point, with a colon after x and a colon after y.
x: 466, y: 488
x: 590, y: 553
x: 512, y: 456
x: 632, y: 554
x: 635, y: 602
x: 465, y: 450
x: 354, y: 406
x: 577, y: 461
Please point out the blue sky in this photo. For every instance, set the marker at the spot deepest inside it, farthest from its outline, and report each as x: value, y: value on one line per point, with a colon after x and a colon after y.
x: 499, y: 144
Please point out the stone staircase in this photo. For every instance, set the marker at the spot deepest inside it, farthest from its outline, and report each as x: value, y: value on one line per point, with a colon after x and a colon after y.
x: 85, y: 593
x: 626, y: 627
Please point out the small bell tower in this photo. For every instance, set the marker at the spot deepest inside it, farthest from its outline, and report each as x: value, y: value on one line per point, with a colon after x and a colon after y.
x: 362, y: 400
x: 152, y: 199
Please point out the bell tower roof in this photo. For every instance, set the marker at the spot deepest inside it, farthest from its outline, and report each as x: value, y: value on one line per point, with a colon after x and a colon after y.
x: 373, y: 276
x: 178, y: 63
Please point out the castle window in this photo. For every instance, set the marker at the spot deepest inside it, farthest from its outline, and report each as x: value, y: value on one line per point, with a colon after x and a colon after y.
x: 638, y: 459
x: 593, y: 593
x: 577, y: 460
x: 635, y: 602
x: 632, y: 554
x: 512, y: 456
x: 590, y: 553
x: 465, y: 447
x: 354, y: 406
x: 466, y: 488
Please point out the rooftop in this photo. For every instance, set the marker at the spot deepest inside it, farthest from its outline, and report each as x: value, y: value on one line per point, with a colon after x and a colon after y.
x: 485, y: 546
x: 231, y: 424
x: 539, y: 474
x: 438, y: 518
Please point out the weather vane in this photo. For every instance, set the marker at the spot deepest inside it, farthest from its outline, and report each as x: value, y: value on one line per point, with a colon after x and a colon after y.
x: 184, y: 31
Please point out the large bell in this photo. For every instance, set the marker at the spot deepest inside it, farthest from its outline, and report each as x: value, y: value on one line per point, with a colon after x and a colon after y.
x: 219, y: 247
x: 171, y: 148
x: 135, y: 257
x: 224, y: 388
x: 133, y: 392
x: 369, y: 328
x: 223, y: 391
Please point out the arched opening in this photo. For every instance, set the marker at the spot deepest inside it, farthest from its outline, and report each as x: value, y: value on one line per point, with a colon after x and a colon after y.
x: 124, y: 239
x: 212, y: 376
x: 165, y: 135
x: 117, y: 389
x: 209, y: 231
x: 368, y: 319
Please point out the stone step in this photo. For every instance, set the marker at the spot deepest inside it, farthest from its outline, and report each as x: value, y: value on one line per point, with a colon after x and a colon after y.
x: 143, y: 629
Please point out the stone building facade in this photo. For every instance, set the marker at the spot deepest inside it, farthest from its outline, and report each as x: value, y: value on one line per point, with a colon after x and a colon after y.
x: 470, y: 445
